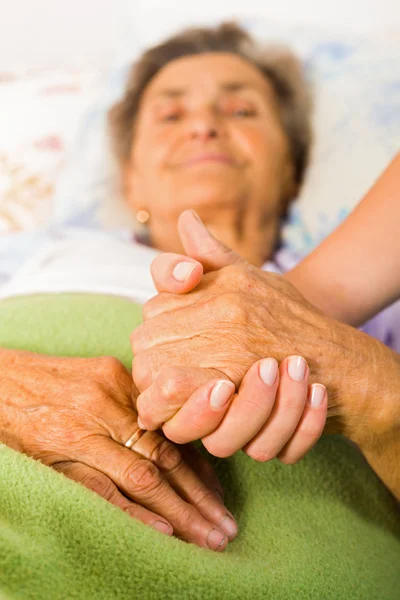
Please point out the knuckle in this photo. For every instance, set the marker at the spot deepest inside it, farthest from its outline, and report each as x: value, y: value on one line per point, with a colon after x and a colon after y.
x: 185, y: 516
x: 238, y: 274
x: 112, y: 365
x: 170, y: 383
x: 100, y: 484
x: 204, y: 495
x: 107, y: 369
x: 166, y: 456
x: 143, y: 476
x: 233, y: 307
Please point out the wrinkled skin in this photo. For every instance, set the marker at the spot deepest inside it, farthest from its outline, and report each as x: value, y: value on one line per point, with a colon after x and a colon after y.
x: 235, y: 316
x: 76, y: 414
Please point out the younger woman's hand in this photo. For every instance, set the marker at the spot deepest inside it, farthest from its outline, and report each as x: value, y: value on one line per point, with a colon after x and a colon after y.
x: 275, y: 412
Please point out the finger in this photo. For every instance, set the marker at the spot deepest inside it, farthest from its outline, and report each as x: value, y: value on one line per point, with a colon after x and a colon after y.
x: 142, y: 481
x: 103, y: 486
x: 165, y: 302
x: 175, y: 273
x: 202, y: 467
x: 118, y: 421
x: 184, y: 480
x: 113, y: 376
x: 201, y: 245
x: 287, y: 411
x: 310, y: 428
x: 248, y: 411
x: 172, y: 387
x: 202, y: 413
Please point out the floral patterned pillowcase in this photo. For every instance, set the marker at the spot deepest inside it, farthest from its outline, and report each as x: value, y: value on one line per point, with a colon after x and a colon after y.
x: 40, y: 111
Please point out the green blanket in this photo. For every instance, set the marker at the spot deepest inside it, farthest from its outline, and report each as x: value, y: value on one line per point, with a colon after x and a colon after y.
x: 325, y: 528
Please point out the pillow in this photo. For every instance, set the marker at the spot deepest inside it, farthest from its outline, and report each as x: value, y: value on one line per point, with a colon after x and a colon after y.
x: 40, y: 112
x: 356, y: 122
x: 324, y: 528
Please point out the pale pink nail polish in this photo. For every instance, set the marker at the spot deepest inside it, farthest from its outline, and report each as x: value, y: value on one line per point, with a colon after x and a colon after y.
x: 182, y: 270
x: 221, y: 394
x: 297, y: 367
x: 317, y: 395
x: 268, y: 370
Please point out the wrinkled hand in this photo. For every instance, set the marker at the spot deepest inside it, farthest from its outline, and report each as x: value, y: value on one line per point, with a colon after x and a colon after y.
x: 75, y: 415
x: 236, y: 316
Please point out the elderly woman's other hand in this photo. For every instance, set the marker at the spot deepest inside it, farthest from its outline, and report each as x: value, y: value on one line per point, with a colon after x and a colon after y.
x: 235, y: 317
x: 76, y: 415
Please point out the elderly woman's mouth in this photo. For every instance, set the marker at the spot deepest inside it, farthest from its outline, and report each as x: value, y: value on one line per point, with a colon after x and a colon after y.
x: 209, y: 157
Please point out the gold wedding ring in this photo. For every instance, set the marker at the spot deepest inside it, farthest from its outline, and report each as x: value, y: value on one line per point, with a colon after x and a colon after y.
x: 134, y: 438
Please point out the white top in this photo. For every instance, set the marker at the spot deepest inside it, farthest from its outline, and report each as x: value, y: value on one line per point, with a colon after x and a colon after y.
x: 91, y: 263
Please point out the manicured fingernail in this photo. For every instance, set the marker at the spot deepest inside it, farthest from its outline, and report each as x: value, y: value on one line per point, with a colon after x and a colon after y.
x: 268, y: 370
x: 221, y: 393
x: 140, y: 424
x: 182, y: 270
x: 163, y: 527
x: 317, y: 395
x: 229, y: 526
x: 215, y: 539
x: 297, y: 368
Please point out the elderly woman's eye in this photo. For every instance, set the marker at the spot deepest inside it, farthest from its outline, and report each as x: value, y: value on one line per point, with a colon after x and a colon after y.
x: 171, y: 117
x: 242, y: 113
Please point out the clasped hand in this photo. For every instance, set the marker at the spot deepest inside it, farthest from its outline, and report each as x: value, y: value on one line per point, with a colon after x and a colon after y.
x: 206, y: 357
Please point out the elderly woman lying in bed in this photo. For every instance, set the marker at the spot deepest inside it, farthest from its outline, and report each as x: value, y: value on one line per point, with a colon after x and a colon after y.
x: 209, y: 121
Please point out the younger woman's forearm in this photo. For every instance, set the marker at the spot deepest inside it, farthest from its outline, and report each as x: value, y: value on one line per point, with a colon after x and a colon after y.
x: 355, y: 272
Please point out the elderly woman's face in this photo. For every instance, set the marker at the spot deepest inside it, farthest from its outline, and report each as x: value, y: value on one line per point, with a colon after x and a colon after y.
x: 208, y: 136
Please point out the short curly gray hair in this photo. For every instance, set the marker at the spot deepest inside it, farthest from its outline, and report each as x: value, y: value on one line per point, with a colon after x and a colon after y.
x: 278, y: 64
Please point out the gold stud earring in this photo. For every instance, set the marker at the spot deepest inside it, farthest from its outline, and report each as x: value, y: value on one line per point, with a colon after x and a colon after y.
x: 142, y: 232
x: 142, y: 217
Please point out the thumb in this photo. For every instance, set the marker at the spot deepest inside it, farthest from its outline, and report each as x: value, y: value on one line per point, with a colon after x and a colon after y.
x: 201, y: 245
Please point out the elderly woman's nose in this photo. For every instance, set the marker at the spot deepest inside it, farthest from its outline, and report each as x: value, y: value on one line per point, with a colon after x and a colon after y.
x: 205, y: 124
